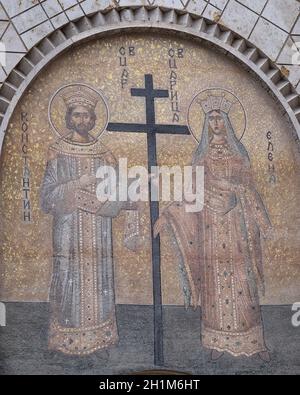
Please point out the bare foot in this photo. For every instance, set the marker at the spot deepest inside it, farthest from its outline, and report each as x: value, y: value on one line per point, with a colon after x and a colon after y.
x: 215, y: 354
x: 264, y: 356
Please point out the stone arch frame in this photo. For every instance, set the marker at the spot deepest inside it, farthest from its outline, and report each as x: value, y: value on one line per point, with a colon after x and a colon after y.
x: 146, y: 18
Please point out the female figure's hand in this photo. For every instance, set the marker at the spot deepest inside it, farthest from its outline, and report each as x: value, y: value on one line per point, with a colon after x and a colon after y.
x: 159, y: 225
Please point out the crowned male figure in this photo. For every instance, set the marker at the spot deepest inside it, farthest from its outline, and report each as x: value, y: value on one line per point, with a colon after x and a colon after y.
x: 82, y: 303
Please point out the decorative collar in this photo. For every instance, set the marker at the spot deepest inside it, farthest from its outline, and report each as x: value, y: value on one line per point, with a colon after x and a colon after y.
x: 68, y: 148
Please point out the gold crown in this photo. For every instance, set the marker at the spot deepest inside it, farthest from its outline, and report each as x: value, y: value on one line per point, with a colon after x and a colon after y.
x: 80, y: 96
x: 215, y: 103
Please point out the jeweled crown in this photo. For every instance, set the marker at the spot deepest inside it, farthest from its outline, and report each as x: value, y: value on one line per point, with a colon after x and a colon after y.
x: 79, y: 95
x: 215, y: 103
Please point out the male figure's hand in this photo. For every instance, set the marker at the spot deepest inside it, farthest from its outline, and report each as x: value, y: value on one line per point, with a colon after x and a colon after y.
x: 87, y: 179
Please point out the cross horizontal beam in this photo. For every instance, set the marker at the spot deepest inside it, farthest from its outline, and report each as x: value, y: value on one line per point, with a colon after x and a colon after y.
x: 155, y: 93
x: 143, y: 128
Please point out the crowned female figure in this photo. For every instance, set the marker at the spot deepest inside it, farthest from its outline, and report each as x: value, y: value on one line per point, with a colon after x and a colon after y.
x: 219, y: 247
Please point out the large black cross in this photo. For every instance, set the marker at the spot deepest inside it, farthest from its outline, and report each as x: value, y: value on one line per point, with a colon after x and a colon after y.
x: 151, y: 128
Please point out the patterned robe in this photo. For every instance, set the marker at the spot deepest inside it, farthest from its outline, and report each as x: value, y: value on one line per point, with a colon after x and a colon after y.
x: 82, y: 289
x: 221, y: 256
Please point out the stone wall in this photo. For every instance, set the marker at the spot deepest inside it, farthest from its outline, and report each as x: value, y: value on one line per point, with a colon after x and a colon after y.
x: 273, y: 26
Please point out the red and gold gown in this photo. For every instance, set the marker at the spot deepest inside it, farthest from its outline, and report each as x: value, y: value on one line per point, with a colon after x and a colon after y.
x: 220, y: 248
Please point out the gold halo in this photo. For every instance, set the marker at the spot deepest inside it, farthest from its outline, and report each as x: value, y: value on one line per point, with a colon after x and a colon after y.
x: 196, y: 115
x: 57, y: 111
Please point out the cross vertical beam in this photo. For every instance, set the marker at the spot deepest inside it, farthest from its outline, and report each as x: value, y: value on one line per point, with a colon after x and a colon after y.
x: 151, y: 128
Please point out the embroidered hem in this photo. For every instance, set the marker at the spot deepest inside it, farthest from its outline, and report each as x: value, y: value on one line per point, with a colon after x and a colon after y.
x: 235, y: 343
x: 82, y: 341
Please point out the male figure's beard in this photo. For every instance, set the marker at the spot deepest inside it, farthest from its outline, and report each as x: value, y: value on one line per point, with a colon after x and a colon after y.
x: 82, y: 129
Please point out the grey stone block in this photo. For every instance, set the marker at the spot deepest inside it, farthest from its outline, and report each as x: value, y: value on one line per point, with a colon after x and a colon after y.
x: 13, y: 7
x: 12, y: 40
x: 288, y: 52
x: 74, y: 12
x: 239, y: 18
x: 269, y: 38
x: 11, y: 60
x: 59, y: 20
x: 34, y: 35
x: 219, y: 3
x: 3, y: 15
x: 196, y: 6
x: 282, y: 13
x: 296, y: 29
x: 128, y: 3
x: 3, y: 26
x: 211, y: 13
x: 170, y: 3
x: 29, y: 19
x: 298, y: 88
x: 2, y: 74
x: 294, y: 73
x: 67, y: 3
x: 90, y: 6
x: 52, y: 7
x: 255, y: 5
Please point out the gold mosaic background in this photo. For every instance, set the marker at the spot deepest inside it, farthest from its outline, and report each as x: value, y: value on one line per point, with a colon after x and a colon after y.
x: 26, y: 248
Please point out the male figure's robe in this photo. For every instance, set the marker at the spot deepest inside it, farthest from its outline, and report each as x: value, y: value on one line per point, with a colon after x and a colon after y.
x: 82, y: 289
